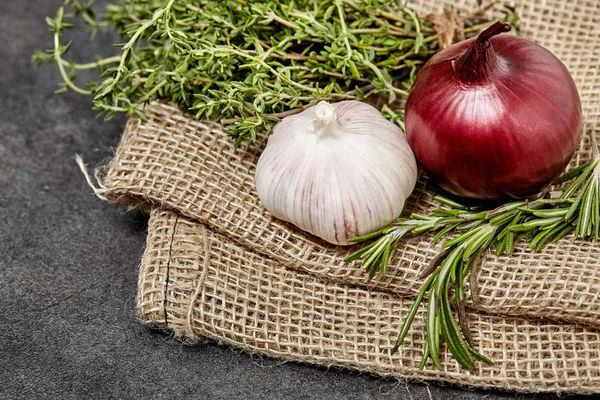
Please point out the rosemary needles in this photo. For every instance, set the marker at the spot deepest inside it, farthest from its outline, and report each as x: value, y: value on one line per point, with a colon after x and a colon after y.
x: 574, y: 209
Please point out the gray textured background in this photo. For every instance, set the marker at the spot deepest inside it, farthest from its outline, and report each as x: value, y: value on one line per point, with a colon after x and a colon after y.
x: 68, y: 263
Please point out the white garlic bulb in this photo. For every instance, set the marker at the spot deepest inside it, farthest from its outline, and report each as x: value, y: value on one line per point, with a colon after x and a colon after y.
x: 336, y: 170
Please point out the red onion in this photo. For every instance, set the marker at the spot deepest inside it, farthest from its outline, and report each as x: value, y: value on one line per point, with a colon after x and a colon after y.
x: 494, y: 117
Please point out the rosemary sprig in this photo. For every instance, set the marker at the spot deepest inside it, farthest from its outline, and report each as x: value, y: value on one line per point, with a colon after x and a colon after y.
x: 574, y: 209
x: 248, y: 63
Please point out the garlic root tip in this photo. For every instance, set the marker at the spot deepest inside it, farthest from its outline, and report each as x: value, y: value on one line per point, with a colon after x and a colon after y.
x: 324, y: 115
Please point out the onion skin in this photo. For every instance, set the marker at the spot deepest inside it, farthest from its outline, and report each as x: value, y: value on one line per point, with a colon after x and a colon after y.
x: 493, y: 117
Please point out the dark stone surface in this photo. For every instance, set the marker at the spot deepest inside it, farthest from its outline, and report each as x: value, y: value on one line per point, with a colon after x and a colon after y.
x: 68, y: 264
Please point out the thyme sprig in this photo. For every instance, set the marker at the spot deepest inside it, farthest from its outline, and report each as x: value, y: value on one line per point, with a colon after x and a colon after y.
x: 249, y: 63
x: 547, y: 219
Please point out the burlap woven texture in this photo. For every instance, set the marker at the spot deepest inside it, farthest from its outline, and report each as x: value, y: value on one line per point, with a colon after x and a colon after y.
x: 192, y: 167
x: 202, y: 284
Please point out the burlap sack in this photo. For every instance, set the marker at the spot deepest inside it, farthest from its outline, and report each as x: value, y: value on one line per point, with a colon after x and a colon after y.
x: 271, y: 288
x: 202, y: 284
x: 192, y: 167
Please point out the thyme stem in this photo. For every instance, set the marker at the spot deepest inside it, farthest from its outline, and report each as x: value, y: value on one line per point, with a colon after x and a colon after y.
x: 92, y: 65
x: 58, y: 56
x: 340, y: 11
x: 128, y: 46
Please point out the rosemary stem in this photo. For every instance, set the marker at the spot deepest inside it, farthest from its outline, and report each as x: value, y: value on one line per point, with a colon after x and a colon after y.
x: 545, y: 220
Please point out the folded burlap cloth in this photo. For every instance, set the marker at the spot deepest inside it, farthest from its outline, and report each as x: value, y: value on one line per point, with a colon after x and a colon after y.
x: 218, y: 265
x: 200, y: 283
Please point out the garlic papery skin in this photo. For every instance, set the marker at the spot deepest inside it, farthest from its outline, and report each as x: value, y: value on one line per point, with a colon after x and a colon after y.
x: 336, y: 171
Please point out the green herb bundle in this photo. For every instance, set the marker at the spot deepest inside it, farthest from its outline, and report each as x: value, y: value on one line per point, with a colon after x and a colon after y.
x: 249, y: 63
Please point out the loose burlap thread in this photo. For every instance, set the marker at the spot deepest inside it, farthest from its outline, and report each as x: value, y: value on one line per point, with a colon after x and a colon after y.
x: 174, y: 162
x: 199, y: 283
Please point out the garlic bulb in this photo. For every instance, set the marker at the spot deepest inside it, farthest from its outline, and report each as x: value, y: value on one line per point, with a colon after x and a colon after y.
x: 336, y: 170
